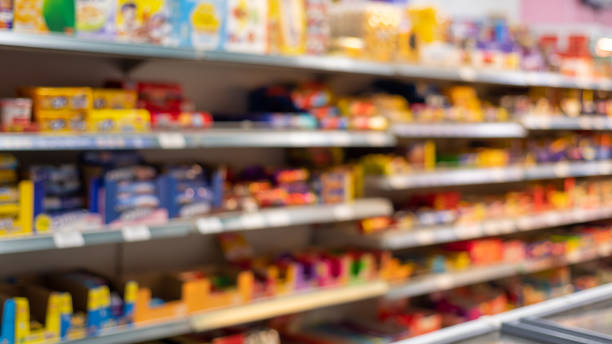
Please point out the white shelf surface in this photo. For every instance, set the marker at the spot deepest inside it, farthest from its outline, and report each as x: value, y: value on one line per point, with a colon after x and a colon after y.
x: 416, y: 237
x: 445, y: 281
x: 62, y: 43
x: 473, y: 176
x: 196, y: 139
x: 223, y: 222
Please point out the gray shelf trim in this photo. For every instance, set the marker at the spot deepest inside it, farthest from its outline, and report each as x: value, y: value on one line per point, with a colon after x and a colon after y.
x: 553, y: 122
x: 475, y: 176
x: 459, y: 130
x: 427, y: 284
x: 64, y: 43
x: 196, y: 139
x: 416, y: 237
x: 225, y: 222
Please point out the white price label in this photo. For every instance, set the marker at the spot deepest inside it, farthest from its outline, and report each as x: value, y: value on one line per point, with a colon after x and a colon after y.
x: 278, y: 218
x: 209, y: 225
x: 68, y: 239
x: 341, y: 139
x: 562, y: 169
x: 250, y: 221
x: 343, y: 212
x: 467, y: 74
x: 136, y: 233
x: 172, y: 140
x: 584, y: 122
x: 301, y: 139
x: 377, y: 139
x: 425, y: 237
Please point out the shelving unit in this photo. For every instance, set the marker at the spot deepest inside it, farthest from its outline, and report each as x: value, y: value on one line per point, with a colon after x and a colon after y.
x: 315, y: 299
x: 416, y: 237
x: 127, y: 56
x: 67, y: 44
x: 471, y: 176
x: 241, y: 314
x: 198, y: 139
x: 428, y: 284
x: 224, y: 222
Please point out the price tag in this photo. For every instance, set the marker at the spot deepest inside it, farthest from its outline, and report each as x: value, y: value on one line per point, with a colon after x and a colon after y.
x: 467, y: 74
x: 171, y: 140
x: 444, y: 282
x: 209, y: 225
x: 301, y: 139
x: 68, y: 239
x: 425, y: 237
x: 562, y: 169
x: 584, y: 122
x: 136, y: 233
x: 377, y: 139
x: 278, y: 218
x: 250, y: 221
x: 343, y: 212
x: 341, y: 139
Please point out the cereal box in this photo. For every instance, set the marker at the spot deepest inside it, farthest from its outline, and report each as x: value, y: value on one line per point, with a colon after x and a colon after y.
x: 203, y: 23
x: 246, y: 27
x: 6, y: 14
x: 96, y: 18
x: 41, y: 16
x: 147, y: 21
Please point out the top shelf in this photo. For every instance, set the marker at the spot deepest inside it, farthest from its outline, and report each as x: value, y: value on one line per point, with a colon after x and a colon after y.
x: 57, y: 42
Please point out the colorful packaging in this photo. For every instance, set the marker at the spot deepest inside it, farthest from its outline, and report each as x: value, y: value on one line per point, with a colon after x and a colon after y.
x: 96, y: 18
x: 317, y: 26
x: 16, y: 114
x: 6, y: 14
x: 181, y: 120
x: 108, y: 98
x: 60, y: 108
x: 203, y: 24
x: 41, y: 16
x: 147, y: 21
x: 287, y: 25
x: 119, y: 121
x: 246, y: 27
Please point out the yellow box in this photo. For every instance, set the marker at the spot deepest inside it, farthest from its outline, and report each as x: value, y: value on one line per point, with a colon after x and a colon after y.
x: 107, y: 98
x: 60, y: 109
x: 119, y: 121
x: 42, y: 16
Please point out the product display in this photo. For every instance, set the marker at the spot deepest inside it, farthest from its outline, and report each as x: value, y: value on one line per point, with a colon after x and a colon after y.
x: 304, y: 171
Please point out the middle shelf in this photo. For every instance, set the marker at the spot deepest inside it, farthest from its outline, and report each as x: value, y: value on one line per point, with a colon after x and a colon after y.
x: 219, y: 223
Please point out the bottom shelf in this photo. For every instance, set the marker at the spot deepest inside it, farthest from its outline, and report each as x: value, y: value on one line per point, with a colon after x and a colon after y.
x: 239, y: 315
x: 310, y: 300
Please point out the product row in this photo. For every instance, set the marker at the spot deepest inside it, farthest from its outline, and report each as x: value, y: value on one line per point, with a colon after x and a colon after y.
x: 407, y: 318
x: 456, y: 208
x: 124, y: 107
x: 73, y: 304
x: 119, y: 189
x: 382, y: 31
x: 412, y: 317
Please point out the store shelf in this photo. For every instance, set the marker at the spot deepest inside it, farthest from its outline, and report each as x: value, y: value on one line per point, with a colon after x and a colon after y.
x: 473, y: 176
x: 584, y: 122
x: 255, y: 311
x: 196, y: 139
x: 399, y: 239
x: 286, y: 305
x: 223, y: 222
x: 428, y: 284
x: 459, y: 130
x: 62, y: 43
x: 293, y: 216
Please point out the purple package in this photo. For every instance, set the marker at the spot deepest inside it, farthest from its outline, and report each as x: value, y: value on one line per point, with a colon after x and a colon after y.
x: 6, y: 14
x: 96, y: 18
